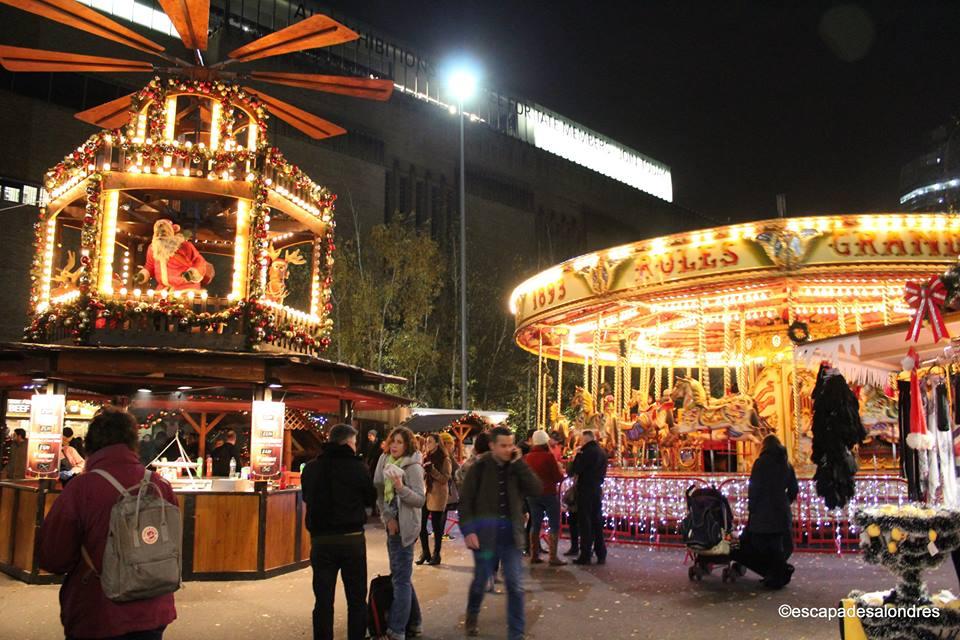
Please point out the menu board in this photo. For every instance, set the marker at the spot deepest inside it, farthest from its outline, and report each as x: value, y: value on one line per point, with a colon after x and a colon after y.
x: 266, y: 439
x: 45, y: 435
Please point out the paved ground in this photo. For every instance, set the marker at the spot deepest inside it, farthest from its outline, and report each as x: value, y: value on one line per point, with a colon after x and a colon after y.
x: 640, y: 593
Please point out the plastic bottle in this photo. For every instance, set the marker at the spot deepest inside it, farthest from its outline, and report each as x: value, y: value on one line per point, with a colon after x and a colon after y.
x: 283, y: 477
x: 233, y: 466
x: 209, y: 472
x: 199, y: 467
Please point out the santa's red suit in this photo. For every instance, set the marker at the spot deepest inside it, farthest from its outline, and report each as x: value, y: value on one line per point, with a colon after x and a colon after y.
x: 184, y: 269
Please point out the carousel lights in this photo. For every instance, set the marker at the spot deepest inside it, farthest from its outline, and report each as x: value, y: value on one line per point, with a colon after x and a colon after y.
x: 542, y: 279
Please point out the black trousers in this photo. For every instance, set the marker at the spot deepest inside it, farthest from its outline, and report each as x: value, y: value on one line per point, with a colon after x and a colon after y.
x: 439, y: 520
x: 346, y: 554
x: 590, y: 523
x: 766, y: 554
x: 574, y: 530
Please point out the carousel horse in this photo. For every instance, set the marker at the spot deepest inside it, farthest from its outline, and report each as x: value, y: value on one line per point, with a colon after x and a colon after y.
x: 587, y: 415
x: 558, y: 421
x: 652, y: 426
x: 731, y: 418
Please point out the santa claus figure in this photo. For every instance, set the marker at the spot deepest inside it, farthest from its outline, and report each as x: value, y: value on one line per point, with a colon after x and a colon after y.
x: 173, y: 262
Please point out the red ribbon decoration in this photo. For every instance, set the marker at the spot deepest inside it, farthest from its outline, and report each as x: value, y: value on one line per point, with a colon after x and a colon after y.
x: 927, y: 299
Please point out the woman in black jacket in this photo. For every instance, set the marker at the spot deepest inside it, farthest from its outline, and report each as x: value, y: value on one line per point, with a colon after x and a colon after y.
x: 767, y: 543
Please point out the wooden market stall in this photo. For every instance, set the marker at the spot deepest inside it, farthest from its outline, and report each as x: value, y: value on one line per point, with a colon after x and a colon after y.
x: 183, y: 266
x: 241, y: 530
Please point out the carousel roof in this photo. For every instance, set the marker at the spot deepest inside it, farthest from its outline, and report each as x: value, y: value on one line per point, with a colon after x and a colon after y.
x: 726, y: 296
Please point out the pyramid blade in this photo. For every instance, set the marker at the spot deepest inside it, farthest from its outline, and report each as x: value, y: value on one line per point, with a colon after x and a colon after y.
x: 314, y: 32
x: 191, y: 19
x: 109, y: 115
x: 76, y: 15
x: 314, y: 126
x: 367, y: 88
x: 23, y: 59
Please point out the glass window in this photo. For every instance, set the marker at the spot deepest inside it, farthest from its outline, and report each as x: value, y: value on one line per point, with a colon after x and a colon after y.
x: 11, y: 193
x: 30, y: 195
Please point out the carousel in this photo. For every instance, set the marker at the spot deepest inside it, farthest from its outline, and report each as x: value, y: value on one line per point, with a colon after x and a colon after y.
x: 682, y: 350
x: 183, y: 269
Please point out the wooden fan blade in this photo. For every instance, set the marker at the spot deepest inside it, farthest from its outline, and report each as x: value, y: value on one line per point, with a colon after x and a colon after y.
x: 314, y: 32
x: 109, y: 115
x: 22, y: 59
x: 74, y: 14
x: 314, y: 126
x: 368, y: 88
x: 191, y: 19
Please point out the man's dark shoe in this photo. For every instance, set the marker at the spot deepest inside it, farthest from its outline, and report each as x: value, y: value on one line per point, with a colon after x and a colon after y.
x: 435, y: 560
x: 572, y: 551
x: 423, y: 559
x: 470, y: 625
x: 582, y: 560
x: 602, y: 560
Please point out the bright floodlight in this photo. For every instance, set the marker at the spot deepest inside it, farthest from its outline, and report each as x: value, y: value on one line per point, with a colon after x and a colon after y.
x: 462, y: 83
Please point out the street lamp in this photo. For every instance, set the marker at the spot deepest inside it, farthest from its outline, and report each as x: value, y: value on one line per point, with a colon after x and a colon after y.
x: 462, y: 82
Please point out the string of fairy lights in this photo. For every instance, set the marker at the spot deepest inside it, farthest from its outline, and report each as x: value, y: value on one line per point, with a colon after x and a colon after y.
x: 648, y: 509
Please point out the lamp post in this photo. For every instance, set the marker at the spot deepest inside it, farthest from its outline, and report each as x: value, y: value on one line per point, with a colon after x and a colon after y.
x: 462, y: 84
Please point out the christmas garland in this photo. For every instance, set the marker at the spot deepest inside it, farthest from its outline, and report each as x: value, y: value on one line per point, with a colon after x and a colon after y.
x: 88, y: 311
x: 798, y: 332
x: 907, y: 540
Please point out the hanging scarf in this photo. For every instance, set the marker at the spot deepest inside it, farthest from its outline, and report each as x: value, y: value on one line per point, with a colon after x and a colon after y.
x: 387, y: 482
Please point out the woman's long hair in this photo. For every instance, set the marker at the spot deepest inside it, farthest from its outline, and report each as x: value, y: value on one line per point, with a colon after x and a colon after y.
x: 436, y: 458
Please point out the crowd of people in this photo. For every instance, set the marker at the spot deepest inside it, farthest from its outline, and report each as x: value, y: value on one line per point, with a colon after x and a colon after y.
x: 501, y: 493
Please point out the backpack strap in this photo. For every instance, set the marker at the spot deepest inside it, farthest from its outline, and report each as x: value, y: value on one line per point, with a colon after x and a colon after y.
x: 144, y: 485
x: 119, y: 487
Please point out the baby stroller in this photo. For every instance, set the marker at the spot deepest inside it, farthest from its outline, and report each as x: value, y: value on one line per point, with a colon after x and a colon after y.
x: 707, y: 533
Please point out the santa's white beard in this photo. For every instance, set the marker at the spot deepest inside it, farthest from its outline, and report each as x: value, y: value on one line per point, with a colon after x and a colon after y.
x: 164, y: 248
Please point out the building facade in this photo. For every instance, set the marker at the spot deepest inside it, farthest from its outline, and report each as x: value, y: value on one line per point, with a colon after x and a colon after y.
x: 931, y: 182
x: 540, y: 188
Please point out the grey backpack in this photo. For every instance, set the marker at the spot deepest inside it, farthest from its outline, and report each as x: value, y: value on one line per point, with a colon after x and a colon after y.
x: 142, y: 556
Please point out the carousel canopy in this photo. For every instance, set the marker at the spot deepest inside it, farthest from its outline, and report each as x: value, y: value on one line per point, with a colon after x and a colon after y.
x: 725, y: 297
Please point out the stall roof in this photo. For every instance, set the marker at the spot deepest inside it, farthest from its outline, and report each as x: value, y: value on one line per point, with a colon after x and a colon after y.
x: 215, y: 380
x: 433, y: 420
x: 873, y: 354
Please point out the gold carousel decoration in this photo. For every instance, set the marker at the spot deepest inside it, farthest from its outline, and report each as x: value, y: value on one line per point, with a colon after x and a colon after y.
x: 179, y: 224
x: 706, y: 323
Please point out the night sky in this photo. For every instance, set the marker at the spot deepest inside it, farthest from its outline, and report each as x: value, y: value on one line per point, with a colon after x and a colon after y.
x: 822, y: 101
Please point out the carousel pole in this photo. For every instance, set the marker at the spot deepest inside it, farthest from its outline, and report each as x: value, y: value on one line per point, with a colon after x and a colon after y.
x: 618, y: 399
x: 795, y: 386
x: 841, y: 317
x: 595, y: 386
x: 857, y: 317
x: 539, y: 380
x: 562, y: 333
x: 727, y: 350
x: 886, y: 304
x: 702, y: 348
x: 586, y: 372
x: 742, y: 353
x: 658, y: 375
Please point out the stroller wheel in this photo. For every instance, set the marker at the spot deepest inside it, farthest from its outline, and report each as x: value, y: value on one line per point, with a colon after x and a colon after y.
x: 694, y: 573
x: 728, y: 575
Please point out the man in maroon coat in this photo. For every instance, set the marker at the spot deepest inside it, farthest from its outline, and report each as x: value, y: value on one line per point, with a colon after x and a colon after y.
x: 545, y: 465
x: 81, y: 517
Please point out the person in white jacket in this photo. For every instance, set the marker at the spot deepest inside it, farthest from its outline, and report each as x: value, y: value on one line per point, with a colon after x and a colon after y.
x: 400, y: 498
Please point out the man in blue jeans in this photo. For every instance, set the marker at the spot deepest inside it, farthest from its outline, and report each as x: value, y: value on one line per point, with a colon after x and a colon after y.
x: 491, y: 519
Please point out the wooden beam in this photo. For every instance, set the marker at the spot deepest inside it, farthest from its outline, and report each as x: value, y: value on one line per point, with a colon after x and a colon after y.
x: 191, y: 421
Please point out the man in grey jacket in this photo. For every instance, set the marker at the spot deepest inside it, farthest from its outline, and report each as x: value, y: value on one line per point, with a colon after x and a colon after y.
x: 400, y: 497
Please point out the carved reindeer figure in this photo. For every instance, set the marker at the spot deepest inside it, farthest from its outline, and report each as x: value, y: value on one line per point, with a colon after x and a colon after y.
x: 66, y: 278
x: 279, y: 270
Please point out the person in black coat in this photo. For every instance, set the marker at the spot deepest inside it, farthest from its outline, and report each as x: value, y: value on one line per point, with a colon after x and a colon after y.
x: 590, y: 469
x: 337, y: 490
x: 767, y: 543
x: 223, y: 454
